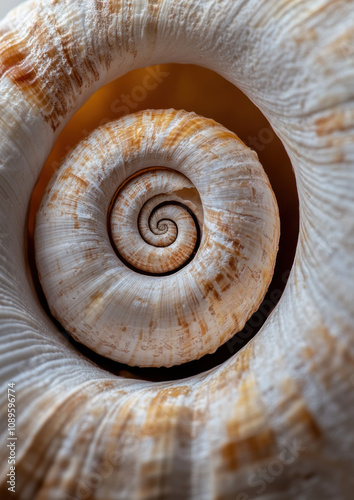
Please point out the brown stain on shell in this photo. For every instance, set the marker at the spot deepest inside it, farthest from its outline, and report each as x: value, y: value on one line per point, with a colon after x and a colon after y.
x: 152, y: 22
x: 168, y: 421
x: 53, y: 81
x: 68, y: 179
x: 308, y: 35
x: 70, y: 173
x: 39, y: 451
x: 256, y: 447
x: 250, y: 440
x: 333, y: 122
x: 297, y: 416
x: 329, y: 358
x: 47, y: 93
x: 238, y: 367
x: 163, y: 412
x: 96, y: 298
x: 133, y: 136
x: 185, y: 129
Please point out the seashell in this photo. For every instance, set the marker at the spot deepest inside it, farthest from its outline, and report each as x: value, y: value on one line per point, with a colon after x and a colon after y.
x: 276, y: 420
x: 157, y: 320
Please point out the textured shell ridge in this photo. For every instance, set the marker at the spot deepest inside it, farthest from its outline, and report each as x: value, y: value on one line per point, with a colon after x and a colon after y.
x: 284, y: 403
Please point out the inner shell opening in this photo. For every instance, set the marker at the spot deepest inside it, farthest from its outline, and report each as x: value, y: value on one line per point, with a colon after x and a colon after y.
x: 203, y: 91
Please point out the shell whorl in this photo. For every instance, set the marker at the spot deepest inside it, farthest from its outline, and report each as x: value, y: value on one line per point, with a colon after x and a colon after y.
x: 152, y: 320
x: 288, y: 391
x: 153, y: 223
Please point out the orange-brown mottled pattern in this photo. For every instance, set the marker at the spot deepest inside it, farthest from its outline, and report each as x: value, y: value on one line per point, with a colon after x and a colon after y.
x: 250, y: 439
x: 78, y: 186
x: 186, y: 128
x: 50, y: 433
x: 163, y: 411
x: 109, y: 461
x: 328, y: 358
x: 168, y: 422
x: 52, y: 75
x: 298, y: 419
x: 334, y: 122
x: 152, y: 19
x: 16, y: 63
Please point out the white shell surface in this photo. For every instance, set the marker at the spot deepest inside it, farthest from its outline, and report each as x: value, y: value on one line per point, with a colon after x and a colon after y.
x: 290, y: 391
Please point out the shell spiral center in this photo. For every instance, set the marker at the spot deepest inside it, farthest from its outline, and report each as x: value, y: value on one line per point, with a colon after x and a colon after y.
x: 155, y: 221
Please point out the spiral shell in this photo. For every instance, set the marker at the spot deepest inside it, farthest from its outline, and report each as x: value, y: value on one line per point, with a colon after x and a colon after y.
x: 151, y: 320
x: 153, y: 223
x: 284, y: 404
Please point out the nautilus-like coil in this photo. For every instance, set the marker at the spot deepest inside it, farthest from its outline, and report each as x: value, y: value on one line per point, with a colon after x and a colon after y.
x: 275, y: 421
x: 217, y: 187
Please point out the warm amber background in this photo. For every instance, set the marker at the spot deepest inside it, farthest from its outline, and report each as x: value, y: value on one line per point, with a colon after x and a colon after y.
x: 203, y: 91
